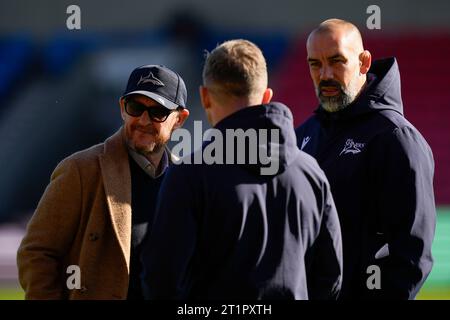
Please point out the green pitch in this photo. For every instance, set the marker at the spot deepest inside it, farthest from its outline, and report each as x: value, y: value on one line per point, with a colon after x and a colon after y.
x: 11, y: 294
x: 437, y: 286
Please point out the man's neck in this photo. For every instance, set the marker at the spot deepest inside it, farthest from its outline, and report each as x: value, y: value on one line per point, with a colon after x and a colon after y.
x: 233, y: 106
x: 363, y: 87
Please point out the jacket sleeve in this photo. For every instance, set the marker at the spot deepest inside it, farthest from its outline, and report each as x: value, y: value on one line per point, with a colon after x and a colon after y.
x: 167, y: 254
x: 324, y: 268
x: 49, y: 235
x: 404, y: 175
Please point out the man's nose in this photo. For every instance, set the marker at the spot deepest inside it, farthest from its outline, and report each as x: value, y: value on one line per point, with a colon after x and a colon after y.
x: 326, y: 73
x: 144, y: 119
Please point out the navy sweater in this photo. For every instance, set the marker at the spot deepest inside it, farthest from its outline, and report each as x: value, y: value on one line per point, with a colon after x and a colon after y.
x: 144, y: 191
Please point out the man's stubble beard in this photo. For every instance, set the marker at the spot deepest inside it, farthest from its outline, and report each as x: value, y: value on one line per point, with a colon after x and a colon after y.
x: 342, y: 100
x: 152, y: 148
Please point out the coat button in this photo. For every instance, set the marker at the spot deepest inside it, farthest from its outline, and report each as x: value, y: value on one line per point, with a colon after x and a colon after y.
x: 93, y: 236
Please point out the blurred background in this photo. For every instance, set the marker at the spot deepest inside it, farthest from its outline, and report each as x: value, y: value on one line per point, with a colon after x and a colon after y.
x: 59, y: 88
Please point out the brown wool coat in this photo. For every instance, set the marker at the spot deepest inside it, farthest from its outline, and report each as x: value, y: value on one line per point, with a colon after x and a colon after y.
x: 83, y: 219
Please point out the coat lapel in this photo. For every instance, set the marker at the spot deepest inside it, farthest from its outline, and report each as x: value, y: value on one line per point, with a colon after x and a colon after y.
x: 117, y: 181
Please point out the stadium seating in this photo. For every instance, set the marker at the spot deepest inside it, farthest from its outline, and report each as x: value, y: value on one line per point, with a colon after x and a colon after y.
x: 15, y: 58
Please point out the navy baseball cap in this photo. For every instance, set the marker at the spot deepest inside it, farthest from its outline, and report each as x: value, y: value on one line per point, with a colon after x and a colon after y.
x: 158, y: 83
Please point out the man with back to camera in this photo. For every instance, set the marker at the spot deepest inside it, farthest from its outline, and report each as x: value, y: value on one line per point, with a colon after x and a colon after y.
x: 379, y: 166
x: 95, y: 211
x: 240, y: 230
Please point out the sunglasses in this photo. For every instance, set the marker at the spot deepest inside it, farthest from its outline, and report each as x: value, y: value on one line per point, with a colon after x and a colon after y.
x: 156, y: 114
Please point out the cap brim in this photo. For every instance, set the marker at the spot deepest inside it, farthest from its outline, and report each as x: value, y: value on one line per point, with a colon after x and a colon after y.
x: 160, y: 99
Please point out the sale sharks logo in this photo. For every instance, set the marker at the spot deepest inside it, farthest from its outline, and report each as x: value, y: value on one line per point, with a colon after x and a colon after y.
x: 150, y: 78
x: 352, y: 147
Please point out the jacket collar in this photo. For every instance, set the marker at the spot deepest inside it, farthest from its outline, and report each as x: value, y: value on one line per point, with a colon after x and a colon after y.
x: 167, y: 159
x: 115, y: 167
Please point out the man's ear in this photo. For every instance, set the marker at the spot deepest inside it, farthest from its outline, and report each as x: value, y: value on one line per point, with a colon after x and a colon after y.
x: 267, y: 96
x: 122, y: 108
x: 365, y: 60
x: 205, y: 98
x: 183, y: 114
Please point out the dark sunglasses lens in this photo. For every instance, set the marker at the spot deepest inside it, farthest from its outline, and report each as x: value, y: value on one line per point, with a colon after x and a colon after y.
x: 134, y: 109
x: 159, y: 114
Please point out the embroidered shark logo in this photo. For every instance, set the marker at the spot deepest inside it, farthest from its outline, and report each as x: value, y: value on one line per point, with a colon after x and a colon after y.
x: 305, y: 142
x: 150, y: 78
x: 352, y: 147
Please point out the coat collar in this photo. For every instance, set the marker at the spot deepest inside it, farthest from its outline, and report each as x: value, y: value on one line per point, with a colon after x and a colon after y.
x: 167, y: 159
x: 116, y: 175
x: 114, y: 163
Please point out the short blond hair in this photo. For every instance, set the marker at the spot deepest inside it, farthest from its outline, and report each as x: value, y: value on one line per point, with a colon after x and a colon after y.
x: 236, y: 67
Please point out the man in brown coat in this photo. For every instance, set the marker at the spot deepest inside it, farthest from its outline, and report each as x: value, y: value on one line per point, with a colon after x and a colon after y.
x: 84, y: 239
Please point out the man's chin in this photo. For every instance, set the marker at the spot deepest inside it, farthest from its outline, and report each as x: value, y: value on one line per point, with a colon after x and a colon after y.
x: 144, y: 145
x: 331, y: 104
x: 149, y: 148
x: 144, y: 148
